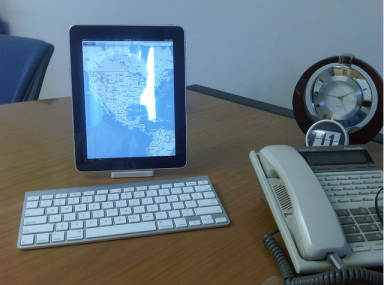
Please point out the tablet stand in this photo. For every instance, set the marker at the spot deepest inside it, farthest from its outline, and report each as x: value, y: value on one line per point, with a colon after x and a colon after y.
x: 133, y: 173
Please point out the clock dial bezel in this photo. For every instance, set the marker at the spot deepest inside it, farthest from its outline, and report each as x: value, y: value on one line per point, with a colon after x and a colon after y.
x: 364, y: 122
x: 330, y: 105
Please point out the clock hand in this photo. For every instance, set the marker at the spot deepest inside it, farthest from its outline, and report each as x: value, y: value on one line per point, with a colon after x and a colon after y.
x: 343, y: 106
x: 333, y: 95
x: 341, y: 97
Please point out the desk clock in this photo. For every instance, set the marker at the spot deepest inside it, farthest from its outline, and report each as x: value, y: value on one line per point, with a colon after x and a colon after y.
x: 344, y: 89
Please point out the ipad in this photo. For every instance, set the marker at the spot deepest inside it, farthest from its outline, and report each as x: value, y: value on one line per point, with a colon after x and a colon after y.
x: 128, y: 97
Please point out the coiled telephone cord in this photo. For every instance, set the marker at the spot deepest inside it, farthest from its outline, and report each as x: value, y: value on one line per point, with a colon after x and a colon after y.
x: 333, y: 277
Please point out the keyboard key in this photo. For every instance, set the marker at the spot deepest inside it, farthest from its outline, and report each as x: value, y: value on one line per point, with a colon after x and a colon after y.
x: 125, y: 211
x: 66, y: 209
x: 73, y: 235
x: 133, y: 219
x: 46, y: 203
x: 139, y: 209
x: 209, y: 194
x: 195, y: 223
x: 221, y: 220
x: 98, y: 214
x: 33, y: 198
x: 34, y: 212
x: 165, y: 224
x: 208, y: 221
x: 174, y: 214
x: 42, y: 238
x: 55, y: 218
x: 94, y: 206
x: 106, y: 222
x: 190, y: 204
x: 73, y: 201
x: 37, y: 229
x: 161, y: 215
x: 187, y: 213
x: 93, y: 223
x: 181, y: 223
x: 203, y: 188
x: 165, y: 207
x: 64, y: 226
x: 69, y: 217
x: 46, y: 197
x: 116, y: 190
x: 111, y: 212
x: 31, y: 205
x: 147, y: 217
x: 178, y: 205
x: 77, y: 225
x: 80, y: 208
x: 86, y: 215
x: 207, y: 202
x: 27, y: 239
x: 57, y: 236
x: 208, y: 210
x: 52, y: 210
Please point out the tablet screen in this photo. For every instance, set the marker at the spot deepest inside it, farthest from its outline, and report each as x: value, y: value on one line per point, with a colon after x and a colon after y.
x: 128, y: 97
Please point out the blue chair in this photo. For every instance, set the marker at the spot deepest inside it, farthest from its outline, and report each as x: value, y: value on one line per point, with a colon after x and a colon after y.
x: 23, y: 63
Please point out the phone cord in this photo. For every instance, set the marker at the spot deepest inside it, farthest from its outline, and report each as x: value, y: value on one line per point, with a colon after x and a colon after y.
x: 333, y: 277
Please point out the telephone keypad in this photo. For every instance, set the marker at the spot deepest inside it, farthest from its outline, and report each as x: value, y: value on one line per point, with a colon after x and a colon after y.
x: 352, y: 195
x: 360, y: 220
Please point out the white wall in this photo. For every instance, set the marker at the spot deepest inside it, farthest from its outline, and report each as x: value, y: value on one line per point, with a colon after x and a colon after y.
x: 253, y: 48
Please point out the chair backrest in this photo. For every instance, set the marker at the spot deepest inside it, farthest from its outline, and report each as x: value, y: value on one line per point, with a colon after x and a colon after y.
x: 23, y: 63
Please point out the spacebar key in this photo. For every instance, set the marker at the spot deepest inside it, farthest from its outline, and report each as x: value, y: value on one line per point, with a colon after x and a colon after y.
x: 120, y: 229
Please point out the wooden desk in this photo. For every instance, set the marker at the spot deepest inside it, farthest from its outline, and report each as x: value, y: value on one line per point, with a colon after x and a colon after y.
x: 36, y: 152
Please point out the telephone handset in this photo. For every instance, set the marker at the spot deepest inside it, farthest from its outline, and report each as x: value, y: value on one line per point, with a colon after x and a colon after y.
x: 314, y: 224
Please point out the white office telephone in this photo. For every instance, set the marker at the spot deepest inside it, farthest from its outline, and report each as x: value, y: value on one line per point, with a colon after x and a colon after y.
x: 323, y: 201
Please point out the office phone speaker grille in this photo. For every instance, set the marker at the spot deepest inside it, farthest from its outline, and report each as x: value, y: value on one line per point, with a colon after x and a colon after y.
x: 283, y: 197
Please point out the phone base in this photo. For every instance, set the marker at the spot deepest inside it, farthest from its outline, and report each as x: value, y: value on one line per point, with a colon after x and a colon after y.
x: 133, y: 173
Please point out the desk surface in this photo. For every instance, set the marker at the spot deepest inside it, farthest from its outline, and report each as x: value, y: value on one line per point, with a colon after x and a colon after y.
x: 36, y: 153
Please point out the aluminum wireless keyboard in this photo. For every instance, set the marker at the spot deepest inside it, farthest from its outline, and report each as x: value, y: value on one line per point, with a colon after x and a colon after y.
x: 68, y: 216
